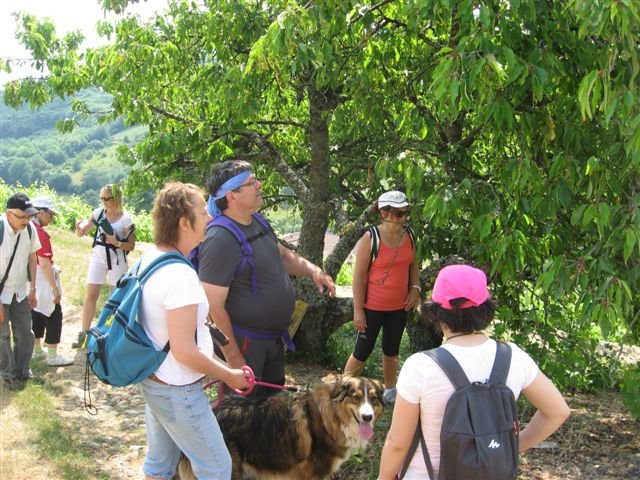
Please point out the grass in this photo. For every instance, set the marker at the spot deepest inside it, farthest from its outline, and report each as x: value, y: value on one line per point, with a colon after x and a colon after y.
x: 67, y: 456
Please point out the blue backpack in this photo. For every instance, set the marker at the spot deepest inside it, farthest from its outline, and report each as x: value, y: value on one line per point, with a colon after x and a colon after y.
x: 119, y: 351
x: 244, y: 242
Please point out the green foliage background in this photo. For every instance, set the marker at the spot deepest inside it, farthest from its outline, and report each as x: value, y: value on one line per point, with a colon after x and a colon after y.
x: 78, y: 162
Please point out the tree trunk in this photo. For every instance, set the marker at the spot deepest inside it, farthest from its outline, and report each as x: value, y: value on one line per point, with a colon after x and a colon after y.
x: 314, y: 330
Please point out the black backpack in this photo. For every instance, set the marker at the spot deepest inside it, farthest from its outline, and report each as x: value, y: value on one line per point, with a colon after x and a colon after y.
x: 479, y: 435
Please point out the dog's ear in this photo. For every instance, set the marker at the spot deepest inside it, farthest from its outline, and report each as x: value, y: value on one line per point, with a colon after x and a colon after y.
x: 340, y: 389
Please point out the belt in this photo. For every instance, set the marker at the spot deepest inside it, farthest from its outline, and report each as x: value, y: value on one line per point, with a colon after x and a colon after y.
x: 154, y: 378
x: 284, y: 336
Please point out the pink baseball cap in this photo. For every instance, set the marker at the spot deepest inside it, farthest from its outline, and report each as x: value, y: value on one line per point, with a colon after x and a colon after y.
x: 460, y: 281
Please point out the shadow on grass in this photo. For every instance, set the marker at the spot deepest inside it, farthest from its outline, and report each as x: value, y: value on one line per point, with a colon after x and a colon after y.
x: 56, y: 438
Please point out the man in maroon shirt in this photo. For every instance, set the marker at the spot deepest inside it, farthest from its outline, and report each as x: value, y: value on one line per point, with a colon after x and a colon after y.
x: 47, y: 316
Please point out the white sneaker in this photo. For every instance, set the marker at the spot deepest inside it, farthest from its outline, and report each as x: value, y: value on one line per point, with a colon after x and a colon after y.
x: 41, y: 354
x: 59, y: 361
x: 389, y: 395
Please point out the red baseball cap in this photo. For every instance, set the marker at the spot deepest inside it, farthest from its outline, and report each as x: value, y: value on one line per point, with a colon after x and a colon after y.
x: 460, y: 281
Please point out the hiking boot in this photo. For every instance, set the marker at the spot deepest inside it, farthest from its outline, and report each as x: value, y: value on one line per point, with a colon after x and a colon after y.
x: 79, y: 343
x: 59, y: 361
x: 389, y: 395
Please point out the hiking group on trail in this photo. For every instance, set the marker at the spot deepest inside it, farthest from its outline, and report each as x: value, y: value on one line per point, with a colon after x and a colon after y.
x: 216, y: 263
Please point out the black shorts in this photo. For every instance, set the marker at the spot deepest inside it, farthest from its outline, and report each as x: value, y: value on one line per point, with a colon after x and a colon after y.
x: 392, y: 324
x: 51, y: 324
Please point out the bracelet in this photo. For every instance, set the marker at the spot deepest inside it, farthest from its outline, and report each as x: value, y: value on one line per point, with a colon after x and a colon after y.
x: 119, y: 244
x: 417, y: 287
x: 33, y: 289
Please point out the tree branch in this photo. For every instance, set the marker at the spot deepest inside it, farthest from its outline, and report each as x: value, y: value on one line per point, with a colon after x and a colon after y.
x: 279, y: 163
x: 281, y: 122
x: 348, y: 238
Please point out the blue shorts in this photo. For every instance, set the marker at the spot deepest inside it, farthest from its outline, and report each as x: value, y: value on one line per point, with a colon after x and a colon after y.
x: 179, y: 419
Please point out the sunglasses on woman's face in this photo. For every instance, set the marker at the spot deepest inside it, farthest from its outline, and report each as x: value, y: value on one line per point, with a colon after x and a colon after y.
x: 106, y: 199
x: 399, y: 213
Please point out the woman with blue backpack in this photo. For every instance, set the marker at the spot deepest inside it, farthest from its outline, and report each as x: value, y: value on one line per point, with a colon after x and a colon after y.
x: 455, y: 415
x: 173, y: 312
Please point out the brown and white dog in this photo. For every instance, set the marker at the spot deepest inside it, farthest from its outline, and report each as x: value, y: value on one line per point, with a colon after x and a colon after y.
x: 297, y: 436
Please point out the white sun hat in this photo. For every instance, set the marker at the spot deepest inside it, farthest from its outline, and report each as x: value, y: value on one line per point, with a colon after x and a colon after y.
x: 393, y: 199
x: 44, y: 202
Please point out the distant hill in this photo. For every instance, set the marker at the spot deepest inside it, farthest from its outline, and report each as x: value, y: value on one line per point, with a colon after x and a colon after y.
x: 80, y: 162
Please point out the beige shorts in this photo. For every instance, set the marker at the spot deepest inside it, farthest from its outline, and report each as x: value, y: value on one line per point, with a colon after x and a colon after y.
x: 98, y: 272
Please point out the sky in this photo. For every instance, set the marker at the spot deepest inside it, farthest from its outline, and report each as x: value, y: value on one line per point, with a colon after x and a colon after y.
x: 67, y: 15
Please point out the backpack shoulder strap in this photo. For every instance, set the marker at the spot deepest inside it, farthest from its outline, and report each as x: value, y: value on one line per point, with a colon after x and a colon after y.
x: 501, y: 364
x: 96, y: 222
x: 101, y: 215
x: 225, y: 222
x: 418, y: 438
x: 412, y: 235
x: 449, y: 365
x: 375, y: 243
x: 263, y: 221
x: 162, y: 260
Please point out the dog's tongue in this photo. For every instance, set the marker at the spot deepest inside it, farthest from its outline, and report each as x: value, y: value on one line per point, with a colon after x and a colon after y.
x: 365, y: 431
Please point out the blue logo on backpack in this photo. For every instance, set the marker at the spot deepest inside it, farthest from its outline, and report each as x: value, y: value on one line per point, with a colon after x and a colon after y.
x: 118, y: 349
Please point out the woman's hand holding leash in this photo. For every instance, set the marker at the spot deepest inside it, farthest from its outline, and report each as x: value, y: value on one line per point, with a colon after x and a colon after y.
x: 243, y: 385
x: 242, y: 380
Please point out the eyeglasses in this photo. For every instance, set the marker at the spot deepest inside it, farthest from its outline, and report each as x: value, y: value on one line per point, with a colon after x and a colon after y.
x: 106, y: 199
x: 20, y: 217
x: 400, y: 213
x: 253, y: 183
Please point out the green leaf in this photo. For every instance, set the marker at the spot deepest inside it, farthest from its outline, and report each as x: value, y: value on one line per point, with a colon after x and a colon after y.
x: 577, y: 215
x: 584, y: 94
x: 630, y: 239
x: 589, y: 215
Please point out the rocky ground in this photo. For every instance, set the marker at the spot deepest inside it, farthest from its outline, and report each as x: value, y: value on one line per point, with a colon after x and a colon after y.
x: 600, y: 441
